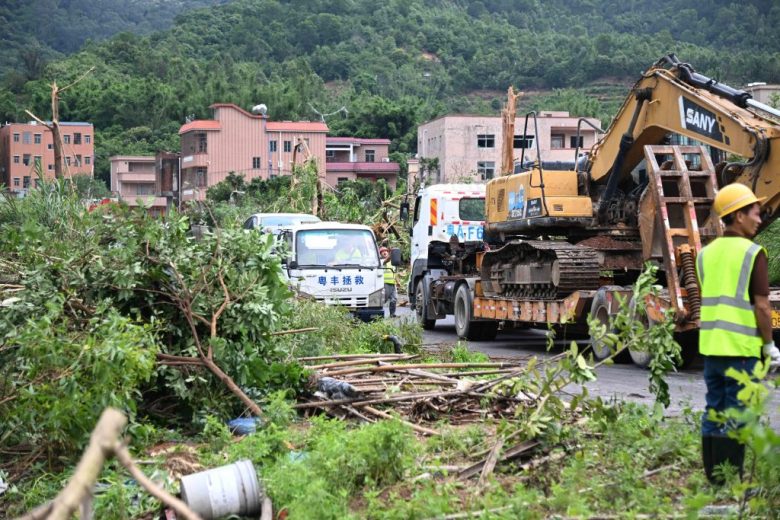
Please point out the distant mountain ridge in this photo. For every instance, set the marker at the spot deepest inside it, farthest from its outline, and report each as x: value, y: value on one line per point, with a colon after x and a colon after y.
x: 393, y: 64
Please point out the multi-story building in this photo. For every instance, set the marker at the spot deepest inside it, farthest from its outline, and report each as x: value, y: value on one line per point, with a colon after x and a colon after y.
x: 133, y: 181
x: 244, y: 143
x: 764, y: 93
x: 468, y: 147
x: 27, y: 152
x: 353, y: 158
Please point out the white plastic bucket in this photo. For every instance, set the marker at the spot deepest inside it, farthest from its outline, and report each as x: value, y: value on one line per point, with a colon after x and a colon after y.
x: 223, y: 491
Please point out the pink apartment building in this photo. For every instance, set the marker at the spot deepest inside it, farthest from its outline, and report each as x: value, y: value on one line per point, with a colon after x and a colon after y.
x: 245, y: 143
x: 25, y: 146
x: 133, y: 180
x: 469, y: 146
x: 352, y: 158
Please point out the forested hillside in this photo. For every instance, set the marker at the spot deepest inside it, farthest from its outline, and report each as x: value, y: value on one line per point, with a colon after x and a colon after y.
x: 34, y: 31
x: 392, y: 64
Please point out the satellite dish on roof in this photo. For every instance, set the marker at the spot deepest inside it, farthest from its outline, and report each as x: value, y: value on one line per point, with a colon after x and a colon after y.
x: 260, y: 109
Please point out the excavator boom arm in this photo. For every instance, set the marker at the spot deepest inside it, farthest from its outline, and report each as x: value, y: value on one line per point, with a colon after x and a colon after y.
x: 678, y: 100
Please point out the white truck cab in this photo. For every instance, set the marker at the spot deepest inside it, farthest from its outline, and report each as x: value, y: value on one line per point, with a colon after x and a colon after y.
x: 447, y: 217
x: 337, y: 264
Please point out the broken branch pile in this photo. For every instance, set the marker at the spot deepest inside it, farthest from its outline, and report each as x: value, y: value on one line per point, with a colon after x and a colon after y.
x: 355, y: 385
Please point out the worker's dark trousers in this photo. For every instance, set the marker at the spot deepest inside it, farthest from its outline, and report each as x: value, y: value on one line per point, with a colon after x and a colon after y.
x: 717, y: 446
x: 390, y: 297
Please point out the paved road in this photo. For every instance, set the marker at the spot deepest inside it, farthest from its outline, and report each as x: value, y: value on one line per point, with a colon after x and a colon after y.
x: 619, y: 382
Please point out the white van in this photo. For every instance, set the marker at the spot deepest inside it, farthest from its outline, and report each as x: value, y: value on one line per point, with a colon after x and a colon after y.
x: 275, y: 223
x: 337, y: 264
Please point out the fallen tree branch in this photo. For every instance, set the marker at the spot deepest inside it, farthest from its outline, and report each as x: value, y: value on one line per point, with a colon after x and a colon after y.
x: 103, y: 444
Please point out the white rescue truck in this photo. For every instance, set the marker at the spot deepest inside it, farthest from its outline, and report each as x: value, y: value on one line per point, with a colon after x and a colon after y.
x: 337, y: 264
x: 446, y: 236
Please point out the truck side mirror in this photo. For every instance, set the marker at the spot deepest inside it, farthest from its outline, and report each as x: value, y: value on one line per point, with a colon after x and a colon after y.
x: 404, y: 211
x: 292, y: 264
x: 395, y: 256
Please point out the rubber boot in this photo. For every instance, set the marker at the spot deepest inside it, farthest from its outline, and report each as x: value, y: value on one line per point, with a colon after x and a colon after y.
x: 706, y: 457
x: 723, y: 450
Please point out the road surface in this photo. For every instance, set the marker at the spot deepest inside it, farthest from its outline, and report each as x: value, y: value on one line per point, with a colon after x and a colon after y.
x: 618, y: 382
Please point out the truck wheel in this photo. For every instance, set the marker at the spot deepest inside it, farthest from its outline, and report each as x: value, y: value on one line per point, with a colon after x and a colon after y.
x: 465, y: 325
x: 421, y: 306
x: 600, y: 310
x: 640, y: 358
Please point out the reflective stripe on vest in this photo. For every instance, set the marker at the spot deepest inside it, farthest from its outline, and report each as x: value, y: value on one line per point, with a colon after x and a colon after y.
x: 728, y: 319
x: 389, y: 274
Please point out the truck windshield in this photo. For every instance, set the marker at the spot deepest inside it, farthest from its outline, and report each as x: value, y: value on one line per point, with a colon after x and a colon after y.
x: 336, y: 247
x: 471, y: 209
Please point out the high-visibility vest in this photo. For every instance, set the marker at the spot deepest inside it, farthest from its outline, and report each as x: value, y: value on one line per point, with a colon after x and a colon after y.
x: 728, y: 319
x: 390, y: 274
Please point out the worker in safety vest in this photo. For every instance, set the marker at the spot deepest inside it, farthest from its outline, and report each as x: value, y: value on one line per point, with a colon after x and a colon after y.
x: 736, y: 322
x: 389, y: 277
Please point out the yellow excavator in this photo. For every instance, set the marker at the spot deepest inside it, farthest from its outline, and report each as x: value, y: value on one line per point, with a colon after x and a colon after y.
x: 587, y: 228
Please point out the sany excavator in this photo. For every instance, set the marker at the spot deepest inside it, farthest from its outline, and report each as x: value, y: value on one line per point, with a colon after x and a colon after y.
x: 561, y: 243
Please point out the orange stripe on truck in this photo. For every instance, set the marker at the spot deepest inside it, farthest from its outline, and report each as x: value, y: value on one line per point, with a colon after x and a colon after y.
x: 434, y: 212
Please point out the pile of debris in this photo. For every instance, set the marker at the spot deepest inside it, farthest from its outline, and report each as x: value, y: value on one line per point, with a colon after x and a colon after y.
x: 358, y: 385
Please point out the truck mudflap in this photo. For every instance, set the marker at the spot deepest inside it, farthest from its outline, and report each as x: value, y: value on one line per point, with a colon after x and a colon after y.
x: 567, y: 310
x: 367, y: 314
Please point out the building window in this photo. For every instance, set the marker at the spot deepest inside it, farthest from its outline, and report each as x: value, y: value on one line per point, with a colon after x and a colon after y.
x: 370, y: 155
x: 67, y: 160
x: 144, y: 189
x: 26, y: 181
x: 523, y: 141
x: 201, y: 137
x: 66, y: 138
x: 557, y: 141
x: 38, y: 162
x: 288, y: 146
x: 486, y: 141
x: 49, y: 167
x: 26, y: 136
x: 16, y: 159
x: 16, y: 138
x: 330, y: 154
x: 256, y: 163
x: 76, y: 138
x: 16, y: 181
x: 200, y: 177
x: 272, y: 146
x: 342, y: 180
x: 37, y: 183
x: 37, y: 138
x: 78, y: 160
x: 87, y: 160
x: 573, y: 141
x: 26, y: 159
x: 87, y: 138
x: 486, y: 169
x: 49, y: 146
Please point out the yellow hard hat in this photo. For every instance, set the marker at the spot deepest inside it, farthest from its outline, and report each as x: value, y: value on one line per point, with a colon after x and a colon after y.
x: 732, y: 197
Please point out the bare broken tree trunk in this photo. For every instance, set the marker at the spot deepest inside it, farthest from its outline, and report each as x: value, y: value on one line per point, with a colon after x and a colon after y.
x: 508, y: 120
x: 54, y: 125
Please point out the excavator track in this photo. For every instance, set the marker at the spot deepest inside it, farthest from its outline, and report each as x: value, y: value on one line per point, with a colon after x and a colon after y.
x: 539, y: 269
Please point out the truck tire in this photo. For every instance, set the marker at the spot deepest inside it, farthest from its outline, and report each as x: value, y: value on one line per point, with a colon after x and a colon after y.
x: 421, y: 306
x: 600, y: 310
x: 465, y: 325
x: 640, y: 358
